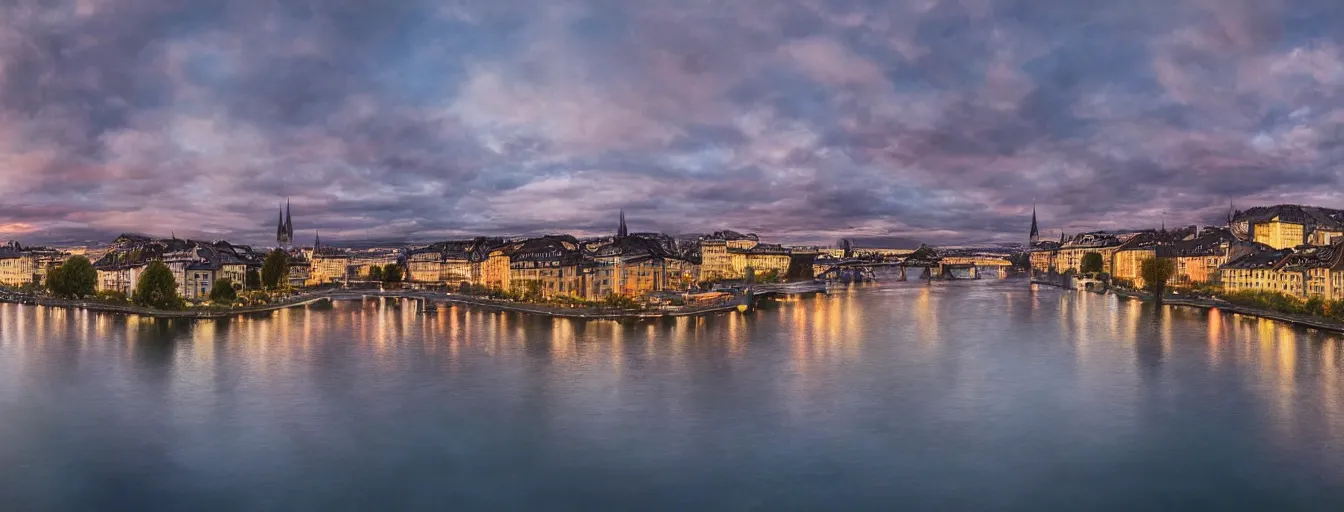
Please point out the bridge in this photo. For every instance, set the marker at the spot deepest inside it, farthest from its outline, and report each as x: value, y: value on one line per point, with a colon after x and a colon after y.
x: 927, y: 266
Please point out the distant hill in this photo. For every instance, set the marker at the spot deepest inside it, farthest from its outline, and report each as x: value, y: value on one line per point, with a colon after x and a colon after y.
x: 886, y: 242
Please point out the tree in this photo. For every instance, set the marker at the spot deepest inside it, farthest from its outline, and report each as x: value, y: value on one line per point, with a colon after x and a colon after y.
x: 1092, y: 263
x: 56, y: 282
x: 391, y: 273
x: 252, y: 278
x: 157, y: 288
x: 222, y: 291
x: 73, y: 279
x: 275, y: 270
x: 1155, y: 273
x: 376, y: 273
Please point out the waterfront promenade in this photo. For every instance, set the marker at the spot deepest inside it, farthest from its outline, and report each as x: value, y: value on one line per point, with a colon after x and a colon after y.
x: 423, y: 298
x: 1313, y: 322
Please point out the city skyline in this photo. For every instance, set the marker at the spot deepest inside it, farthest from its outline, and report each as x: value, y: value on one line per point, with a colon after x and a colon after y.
x: 803, y: 121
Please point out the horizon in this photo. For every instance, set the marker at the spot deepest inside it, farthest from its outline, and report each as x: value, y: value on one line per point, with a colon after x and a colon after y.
x: 805, y: 121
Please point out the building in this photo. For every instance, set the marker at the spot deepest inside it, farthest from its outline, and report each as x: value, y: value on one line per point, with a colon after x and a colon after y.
x: 444, y: 263
x: 492, y: 267
x: 549, y: 266
x: 1286, y: 226
x: 1127, y: 259
x: 195, y: 265
x: 1198, y: 258
x: 17, y: 268
x: 636, y: 266
x: 363, y: 261
x: 300, y: 270
x: 1071, y: 250
x: 761, y: 258
x: 716, y: 255
x: 1257, y: 271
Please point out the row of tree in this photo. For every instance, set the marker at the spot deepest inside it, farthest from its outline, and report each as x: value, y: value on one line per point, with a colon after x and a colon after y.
x: 157, y: 288
x: 389, y: 273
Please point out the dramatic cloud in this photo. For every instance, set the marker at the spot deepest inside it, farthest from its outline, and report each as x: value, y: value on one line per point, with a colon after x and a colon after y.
x: 804, y: 120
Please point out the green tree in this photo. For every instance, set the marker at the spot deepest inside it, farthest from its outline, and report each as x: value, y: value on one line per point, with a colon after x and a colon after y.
x: 1092, y: 263
x: 1155, y: 273
x: 275, y: 270
x: 376, y: 273
x: 75, y: 278
x: 56, y: 282
x: 222, y: 291
x: 157, y: 288
x: 252, y: 279
x: 391, y: 273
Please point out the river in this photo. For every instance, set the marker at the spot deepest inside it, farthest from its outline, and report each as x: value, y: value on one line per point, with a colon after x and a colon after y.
x: 901, y: 396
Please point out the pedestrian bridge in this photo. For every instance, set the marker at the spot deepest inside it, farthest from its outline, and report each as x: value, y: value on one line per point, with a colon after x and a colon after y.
x: 950, y: 267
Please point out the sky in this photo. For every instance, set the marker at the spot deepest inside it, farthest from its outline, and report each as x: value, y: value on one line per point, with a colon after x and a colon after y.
x: 804, y: 121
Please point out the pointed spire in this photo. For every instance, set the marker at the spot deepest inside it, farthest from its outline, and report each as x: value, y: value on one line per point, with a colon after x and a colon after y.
x: 1035, y: 235
x: 289, y: 222
x: 622, y: 232
x: 317, y: 240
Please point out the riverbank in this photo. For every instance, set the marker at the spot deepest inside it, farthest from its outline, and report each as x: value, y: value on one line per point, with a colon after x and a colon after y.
x: 1313, y: 322
x: 429, y: 297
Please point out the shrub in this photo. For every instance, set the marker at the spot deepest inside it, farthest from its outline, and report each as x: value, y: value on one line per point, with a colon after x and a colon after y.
x: 111, y: 296
x: 222, y: 292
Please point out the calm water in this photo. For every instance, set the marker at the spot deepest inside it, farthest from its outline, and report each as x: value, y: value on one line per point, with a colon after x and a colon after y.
x: 956, y: 396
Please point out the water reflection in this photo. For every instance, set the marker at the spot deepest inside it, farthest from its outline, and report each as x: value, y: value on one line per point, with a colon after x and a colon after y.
x: 985, y: 387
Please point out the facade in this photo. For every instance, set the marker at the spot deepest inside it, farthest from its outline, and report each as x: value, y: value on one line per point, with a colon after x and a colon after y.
x: 300, y: 270
x: 1286, y: 226
x: 1070, y: 254
x: 1256, y: 272
x: 636, y: 266
x: 17, y: 268
x: 761, y: 258
x: 725, y: 255
x: 549, y: 265
x: 445, y: 263
x: 493, y: 270
x: 327, y: 265
x: 195, y: 265
x: 363, y: 261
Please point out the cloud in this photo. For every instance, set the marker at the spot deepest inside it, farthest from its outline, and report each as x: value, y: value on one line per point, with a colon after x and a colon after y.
x: 805, y: 120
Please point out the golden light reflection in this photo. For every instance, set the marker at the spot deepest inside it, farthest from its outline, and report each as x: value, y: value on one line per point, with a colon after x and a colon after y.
x: 1215, y: 336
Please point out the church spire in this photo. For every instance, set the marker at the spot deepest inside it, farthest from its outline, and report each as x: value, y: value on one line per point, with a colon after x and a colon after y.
x: 622, y: 232
x: 289, y: 222
x: 317, y: 240
x: 1035, y: 231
